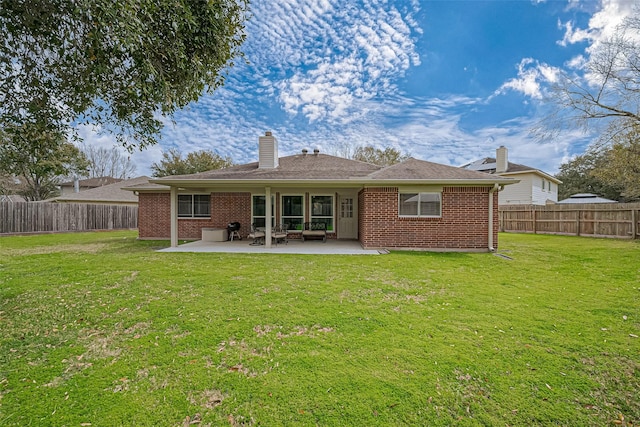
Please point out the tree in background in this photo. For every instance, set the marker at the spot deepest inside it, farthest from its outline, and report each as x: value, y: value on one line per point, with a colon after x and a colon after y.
x: 36, y: 157
x: 108, y: 162
x: 621, y: 164
x: 172, y: 163
x: 578, y: 176
x: 376, y: 156
x: 122, y: 65
x: 611, y: 170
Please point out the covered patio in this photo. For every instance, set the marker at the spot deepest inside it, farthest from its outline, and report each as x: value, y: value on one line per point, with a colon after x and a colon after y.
x: 330, y: 247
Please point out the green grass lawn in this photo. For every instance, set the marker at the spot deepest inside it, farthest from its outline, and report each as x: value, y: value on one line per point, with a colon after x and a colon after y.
x: 99, y: 329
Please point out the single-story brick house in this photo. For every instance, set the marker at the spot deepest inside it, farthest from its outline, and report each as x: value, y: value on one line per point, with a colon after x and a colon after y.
x: 414, y: 205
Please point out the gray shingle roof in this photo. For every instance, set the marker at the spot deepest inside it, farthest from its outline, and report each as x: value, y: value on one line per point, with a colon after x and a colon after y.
x: 297, y: 167
x: 421, y: 169
x: 322, y: 167
x: 112, y: 193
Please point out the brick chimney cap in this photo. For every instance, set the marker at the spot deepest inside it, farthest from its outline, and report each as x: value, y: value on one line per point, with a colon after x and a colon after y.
x: 267, y: 133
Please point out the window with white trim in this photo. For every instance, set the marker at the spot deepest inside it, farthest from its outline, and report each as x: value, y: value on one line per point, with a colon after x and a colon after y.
x: 293, y: 211
x: 194, y: 206
x: 322, y: 210
x: 259, y: 211
x: 427, y: 205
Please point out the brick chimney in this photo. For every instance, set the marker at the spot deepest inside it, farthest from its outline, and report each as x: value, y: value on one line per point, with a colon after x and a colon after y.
x: 502, y: 162
x: 267, y: 151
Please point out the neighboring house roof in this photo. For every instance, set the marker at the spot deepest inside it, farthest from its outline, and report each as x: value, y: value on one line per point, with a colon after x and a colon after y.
x: 585, y: 198
x: 322, y: 168
x: 111, y: 193
x: 93, y: 182
x: 488, y: 165
x: 146, y: 187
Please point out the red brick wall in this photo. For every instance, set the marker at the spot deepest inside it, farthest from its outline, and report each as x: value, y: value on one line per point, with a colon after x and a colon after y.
x: 463, y: 224
x: 154, y: 215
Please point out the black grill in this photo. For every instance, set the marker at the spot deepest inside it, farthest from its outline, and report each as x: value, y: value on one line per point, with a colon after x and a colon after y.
x: 233, y: 227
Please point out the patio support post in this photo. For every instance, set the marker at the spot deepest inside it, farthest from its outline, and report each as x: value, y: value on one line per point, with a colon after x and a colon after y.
x: 267, y: 223
x: 174, y: 217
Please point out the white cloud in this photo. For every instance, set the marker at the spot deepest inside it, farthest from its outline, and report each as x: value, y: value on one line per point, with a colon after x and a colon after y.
x: 573, y: 35
x: 576, y: 62
x: 323, y: 73
x: 331, y: 53
x: 532, y: 76
x: 602, y: 24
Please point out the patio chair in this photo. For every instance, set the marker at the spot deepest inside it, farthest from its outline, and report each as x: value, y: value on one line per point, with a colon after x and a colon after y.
x: 257, y: 235
x: 279, y: 232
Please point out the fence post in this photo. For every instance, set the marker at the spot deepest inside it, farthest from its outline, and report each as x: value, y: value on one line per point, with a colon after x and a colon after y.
x: 634, y: 225
x: 578, y: 222
x: 535, y: 221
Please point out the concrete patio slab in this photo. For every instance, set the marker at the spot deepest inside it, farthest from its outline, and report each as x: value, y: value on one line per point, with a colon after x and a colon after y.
x: 330, y: 247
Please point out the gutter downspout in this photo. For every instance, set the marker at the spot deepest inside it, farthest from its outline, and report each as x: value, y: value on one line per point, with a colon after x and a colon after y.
x: 491, y: 192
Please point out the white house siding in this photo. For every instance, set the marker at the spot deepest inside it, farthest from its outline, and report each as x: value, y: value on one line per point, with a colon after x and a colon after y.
x: 517, y: 194
x: 542, y: 196
x: 528, y: 191
x: 552, y: 194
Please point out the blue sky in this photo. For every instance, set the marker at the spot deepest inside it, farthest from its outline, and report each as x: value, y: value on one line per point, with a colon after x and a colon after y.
x: 444, y: 81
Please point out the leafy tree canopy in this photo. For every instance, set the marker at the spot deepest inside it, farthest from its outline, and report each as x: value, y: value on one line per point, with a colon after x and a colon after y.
x: 611, y: 170
x: 377, y: 156
x: 578, y: 176
x: 172, y: 163
x: 621, y: 164
x: 35, y: 158
x: 121, y: 65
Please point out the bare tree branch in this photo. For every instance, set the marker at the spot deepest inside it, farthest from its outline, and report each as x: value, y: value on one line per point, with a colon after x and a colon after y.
x: 607, y: 92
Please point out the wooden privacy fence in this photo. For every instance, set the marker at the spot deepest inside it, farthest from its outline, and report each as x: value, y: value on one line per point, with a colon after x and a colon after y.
x: 59, y: 217
x: 614, y: 220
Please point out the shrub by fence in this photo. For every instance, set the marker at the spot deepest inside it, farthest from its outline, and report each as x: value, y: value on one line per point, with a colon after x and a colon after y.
x: 615, y: 220
x: 60, y: 217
